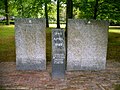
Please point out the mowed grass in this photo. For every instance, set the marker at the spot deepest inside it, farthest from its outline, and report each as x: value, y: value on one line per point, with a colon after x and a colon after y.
x: 114, y: 45
x: 48, y: 44
x: 7, y: 44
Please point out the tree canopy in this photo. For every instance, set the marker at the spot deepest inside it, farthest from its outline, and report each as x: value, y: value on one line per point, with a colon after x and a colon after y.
x: 78, y: 9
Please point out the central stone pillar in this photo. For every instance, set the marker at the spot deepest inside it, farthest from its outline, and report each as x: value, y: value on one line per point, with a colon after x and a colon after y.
x: 58, y: 53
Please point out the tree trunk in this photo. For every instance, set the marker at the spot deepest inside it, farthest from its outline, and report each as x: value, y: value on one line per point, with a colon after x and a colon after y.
x: 46, y: 14
x: 69, y: 12
x: 22, y: 11
x: 58, y: 18
x: 95, y: 9
x: 69, y: 9
x: 20, y: 8
x: 6, y: 12
x: 69, y: 15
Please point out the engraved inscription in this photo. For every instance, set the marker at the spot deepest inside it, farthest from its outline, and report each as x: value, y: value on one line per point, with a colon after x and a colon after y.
x: 58, y: 45
x: 58, y: 53
x: 58, y: 58
x: 58, y: 39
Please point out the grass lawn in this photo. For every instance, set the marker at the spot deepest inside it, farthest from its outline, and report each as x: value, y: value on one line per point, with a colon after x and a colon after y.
x: 7, y: 44
x: 114, y: 45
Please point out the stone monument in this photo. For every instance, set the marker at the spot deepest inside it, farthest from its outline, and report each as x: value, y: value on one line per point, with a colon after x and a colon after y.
x: 87, y: 44
x: 58, y: 53
x: 30, y: 44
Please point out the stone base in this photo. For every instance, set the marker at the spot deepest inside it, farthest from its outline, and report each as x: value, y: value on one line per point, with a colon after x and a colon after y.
x: 30, y: 65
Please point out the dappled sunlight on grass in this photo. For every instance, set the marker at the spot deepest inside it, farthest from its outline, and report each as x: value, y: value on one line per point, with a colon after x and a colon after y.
x: 114, y: 45
x: 114, y: 30
x: 117, y: 87
x: 7, y: 43
x: 48, y: 44
x: 55, y: 25
x: 6, y: 31
x: 114, y: 37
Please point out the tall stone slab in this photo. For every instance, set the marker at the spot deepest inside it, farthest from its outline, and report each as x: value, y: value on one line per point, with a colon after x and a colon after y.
x: 58, y: 53
x: 87, y: 44
x: 30, y: 44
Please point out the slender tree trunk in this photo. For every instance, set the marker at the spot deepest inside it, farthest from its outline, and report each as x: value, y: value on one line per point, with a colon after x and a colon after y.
x: 7, y: 12
x: 46, y: 14
x: 69, y: 15
x: 20, y: 8
x: 95, y: 9
x: 58, y: 18
x: 69, y: 9
x: 22, y: 11
x: 69, y: 12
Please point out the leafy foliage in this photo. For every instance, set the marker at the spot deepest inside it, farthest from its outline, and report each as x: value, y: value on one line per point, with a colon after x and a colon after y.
x: 107, y: 10
x: 83, y: 9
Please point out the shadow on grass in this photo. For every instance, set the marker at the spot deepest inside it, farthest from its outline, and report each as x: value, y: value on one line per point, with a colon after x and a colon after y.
x: 7, y: 43
x: 48, y: 44
x: 113, y: 47
x: 117, y: 87
x: 2, y: 88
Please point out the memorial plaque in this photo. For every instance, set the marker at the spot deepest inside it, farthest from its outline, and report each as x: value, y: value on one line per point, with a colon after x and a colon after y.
x: 30, y: 44
x: 58, y: 53
x: 87, y: 44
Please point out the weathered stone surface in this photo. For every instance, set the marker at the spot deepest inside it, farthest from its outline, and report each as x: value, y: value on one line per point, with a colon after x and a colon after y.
x: 58, y: 53
x: 87, y: 44
x: 30, y: 44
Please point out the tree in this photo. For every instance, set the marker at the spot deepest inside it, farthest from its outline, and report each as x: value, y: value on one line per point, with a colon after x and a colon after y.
x: 109, y: 10
x: 30, y: 8
x: 95, y: 9
x: 69, y: 14
x: 2, y: 7
x: 69, y: 9
x: 58, y: 18
x: 6, y: 12
x: 46, y: 14
x: 52, y: 12
x: 83, y: 9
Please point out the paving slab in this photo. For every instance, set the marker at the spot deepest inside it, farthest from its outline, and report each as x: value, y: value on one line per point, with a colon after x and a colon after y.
x: 10, y: 78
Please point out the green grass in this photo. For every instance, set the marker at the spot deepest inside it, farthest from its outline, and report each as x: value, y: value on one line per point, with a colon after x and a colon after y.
x: 114, y: 45
x: 114, y: 31
x: 48, y: 44
x: 117, y: 87
x: 55, y: 25
x: 114, y: 37
x: 7, y: 44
